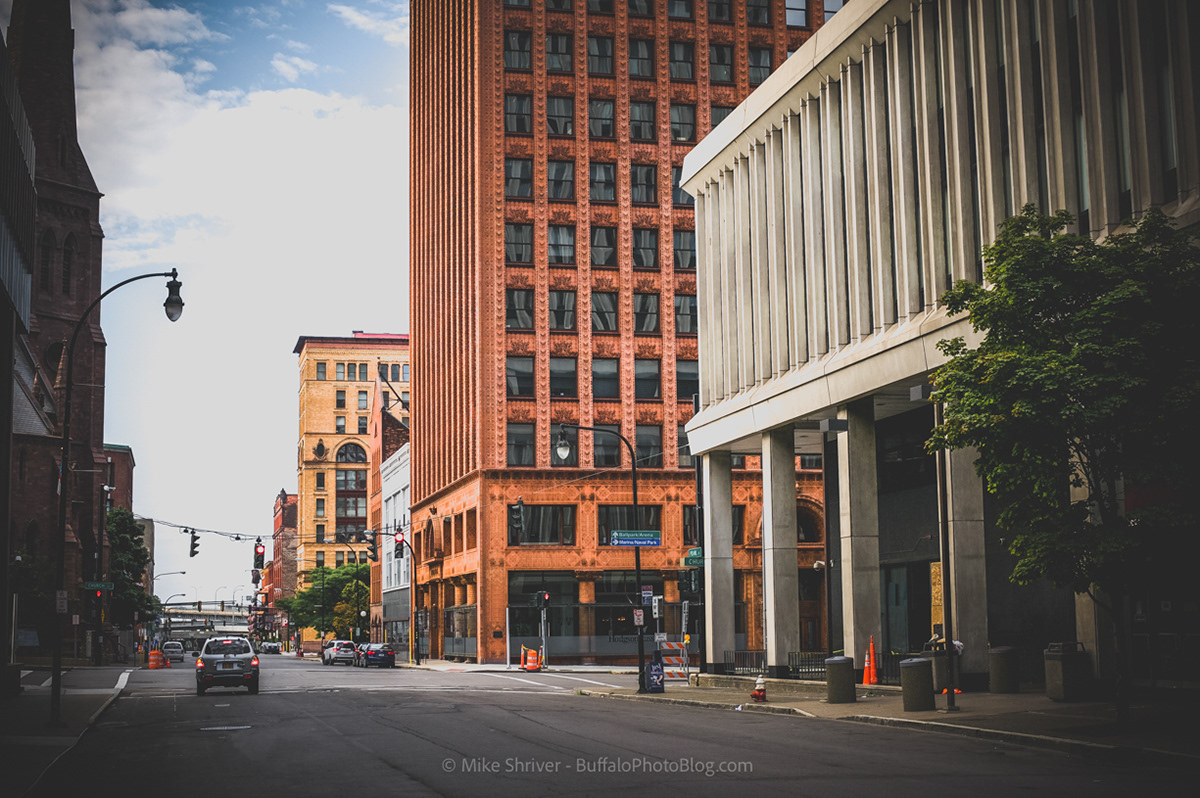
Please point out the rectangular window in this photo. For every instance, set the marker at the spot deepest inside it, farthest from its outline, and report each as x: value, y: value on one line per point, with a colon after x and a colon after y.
x: 604, y: 182
x: 564, y: 377
x: 760, y: 64
x: 339, y: 400
x: 362, y: 400
x: 396, y: 372
x: 604, y: 311
x: 520, y: 445
x: 606, y: 378
x: 687, y: 379
x: 339, y: 425
x: 518, y: 113
x: 558, y: 52
x: 643, y: 183
x: 832, y: 7
x: 320, y: 538
x: 518, y: 373
x: 544, y: 524
x: 685, y: 452
x: 641, y: 8
x: 758, y: 12
x: 320, y: 508
x: 517, y: 48
x: 518, y: 3
x: 558, y: 5
x: 720, y: 11
x: 649, y: 445
x: 606, y: 449
x: 797, y: 13
x: 679, y: 9
x: 685, y: 249
x: 320, y: 480
x: 678, y: 195
x: 600, y: 119
x: 341, y: 371
x: 645, y: 313
x: 600, y: 55
x: 518, y: 243
x: 340, y: 556
x: 560, y: 116
x: 683, y: 123
x: 720, y: 63
x: 641, y: 121
x: 572, y: 458
x: 405, y: 377
x: 647, y: 379
x: 641, y: 58
x: 600, y: 6
x: 362, y: 425
x: 620, y: 516
x: 645, y: 248
x: 682, y: 63
x: 320, y: 371
x: 562, y: 310
x: 685, y: 314
x: 518, y: 177
x: 604, y: 246
x: 720, y: 113
x: 560, y: 180
x: 561, y: 244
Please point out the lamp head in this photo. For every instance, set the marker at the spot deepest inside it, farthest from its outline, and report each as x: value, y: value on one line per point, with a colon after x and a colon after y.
x: 174, y: 303
x: 564, y: 446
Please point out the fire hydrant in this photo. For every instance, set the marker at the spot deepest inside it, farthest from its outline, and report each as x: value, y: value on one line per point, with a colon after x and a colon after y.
x: 760, y: 690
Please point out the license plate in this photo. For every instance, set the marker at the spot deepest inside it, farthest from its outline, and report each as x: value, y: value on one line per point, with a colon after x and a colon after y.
x: 228, y: 666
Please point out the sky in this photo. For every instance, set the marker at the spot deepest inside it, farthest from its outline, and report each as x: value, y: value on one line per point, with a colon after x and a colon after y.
x: 260, y: 149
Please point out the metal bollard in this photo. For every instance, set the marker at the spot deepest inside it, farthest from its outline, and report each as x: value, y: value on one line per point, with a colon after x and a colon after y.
x: 839, y: 681
x: 916, y: 685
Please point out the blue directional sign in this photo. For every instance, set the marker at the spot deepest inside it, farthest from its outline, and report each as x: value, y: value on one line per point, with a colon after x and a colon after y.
x: 635, y: 537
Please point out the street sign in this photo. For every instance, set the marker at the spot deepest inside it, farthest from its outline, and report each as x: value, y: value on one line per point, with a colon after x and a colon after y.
x: 647, y: 594
x: 639, y: 617
x: 696, y: 552
x: 635, y: 537
x: 60, y: 601
x: 98, y: 585
x: 660, y: 637
x: 691, y: 562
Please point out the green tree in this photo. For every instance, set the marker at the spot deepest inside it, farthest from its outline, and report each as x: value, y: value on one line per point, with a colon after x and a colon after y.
x: 315, y: 607
x: 355, y: 598
x: 127, y: 561
x: 1081, y: 402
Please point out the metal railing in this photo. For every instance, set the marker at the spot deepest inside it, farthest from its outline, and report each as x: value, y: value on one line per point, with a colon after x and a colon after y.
x: 808, y: 665
x: 751, y: 663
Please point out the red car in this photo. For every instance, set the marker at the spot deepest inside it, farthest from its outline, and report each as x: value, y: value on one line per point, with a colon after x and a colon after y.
x: 381, y: 654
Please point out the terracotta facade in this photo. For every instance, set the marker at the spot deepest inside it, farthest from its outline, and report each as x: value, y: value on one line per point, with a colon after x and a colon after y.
x: 525, y: 285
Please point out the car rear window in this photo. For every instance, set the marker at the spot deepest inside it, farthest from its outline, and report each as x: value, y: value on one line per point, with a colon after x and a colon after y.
x: 346, y: 645
x: 227, y: 647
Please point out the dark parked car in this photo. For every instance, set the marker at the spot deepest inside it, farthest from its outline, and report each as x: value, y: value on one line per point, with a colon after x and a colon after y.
x: 381, y: 654
x: 227, y: 662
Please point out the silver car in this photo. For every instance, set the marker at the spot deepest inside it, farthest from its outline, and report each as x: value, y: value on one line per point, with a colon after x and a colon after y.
x: 173, y: 650
x: 339, y: 651
x: 227, y: 662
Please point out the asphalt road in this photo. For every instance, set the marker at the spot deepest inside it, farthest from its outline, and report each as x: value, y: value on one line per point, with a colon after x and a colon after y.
x: 340, y: 731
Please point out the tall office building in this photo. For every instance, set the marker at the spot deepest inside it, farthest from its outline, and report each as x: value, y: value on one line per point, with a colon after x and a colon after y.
x: 339, y: 380
x: 553, y: 281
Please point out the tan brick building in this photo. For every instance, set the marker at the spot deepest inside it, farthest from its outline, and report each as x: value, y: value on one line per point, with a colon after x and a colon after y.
x: 553, y: 281
x: 338, y: 379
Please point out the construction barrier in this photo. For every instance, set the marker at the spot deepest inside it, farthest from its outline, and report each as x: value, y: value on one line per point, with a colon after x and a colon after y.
x: 675, y: 661
x: 530, y: 661
x: 156, y: 660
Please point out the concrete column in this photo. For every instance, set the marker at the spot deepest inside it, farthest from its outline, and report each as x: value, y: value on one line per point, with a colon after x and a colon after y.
x: 718, y: 558
x: 968, y: 561
x: 858, y: 497
x: 780, y: 590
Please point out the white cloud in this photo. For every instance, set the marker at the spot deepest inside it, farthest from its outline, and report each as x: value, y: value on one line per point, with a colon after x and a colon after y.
x: 291, y: 67
x: 391, y: 25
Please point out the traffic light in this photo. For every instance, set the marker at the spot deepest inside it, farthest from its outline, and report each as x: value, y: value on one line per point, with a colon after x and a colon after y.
x: 540, y: 599
x: 195, y: 543
x: 373, y: 546
x: 260, y: 553
x: 399, y: 544
x: 516, y: 519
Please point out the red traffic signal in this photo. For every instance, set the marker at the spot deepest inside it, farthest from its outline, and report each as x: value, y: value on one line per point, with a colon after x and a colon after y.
x: 260, y: 549
x: 99, y: 594
x: 399, y: 538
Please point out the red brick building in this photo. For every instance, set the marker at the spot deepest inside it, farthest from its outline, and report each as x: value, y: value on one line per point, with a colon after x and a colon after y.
x: 553, y: 281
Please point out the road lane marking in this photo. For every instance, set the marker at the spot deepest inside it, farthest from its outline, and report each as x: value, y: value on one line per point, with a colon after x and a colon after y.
x: 222, y: 728
x: 123, y: 680
x: 527, y: 681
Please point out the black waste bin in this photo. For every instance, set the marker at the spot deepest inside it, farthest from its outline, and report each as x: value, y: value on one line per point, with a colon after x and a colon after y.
x: 916, y: 684
x: 1068, y: 672
x: 839, y: 681
x: 1003, y: 670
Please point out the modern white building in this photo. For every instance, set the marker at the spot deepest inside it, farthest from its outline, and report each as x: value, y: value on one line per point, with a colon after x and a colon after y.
x: 833, y: 209
x: 395, y: 481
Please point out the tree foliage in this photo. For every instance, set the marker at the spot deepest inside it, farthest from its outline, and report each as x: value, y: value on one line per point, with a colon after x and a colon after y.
x: 1081, y: 399
x: 127, y: 561
x: 316, y: 607
x: 355, y: 598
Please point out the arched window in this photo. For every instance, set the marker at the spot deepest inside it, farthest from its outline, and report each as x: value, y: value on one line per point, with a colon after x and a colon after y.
x: 44, y: 261
x: 352, y: 453
x: 68, y: 256
x: 51, y: 357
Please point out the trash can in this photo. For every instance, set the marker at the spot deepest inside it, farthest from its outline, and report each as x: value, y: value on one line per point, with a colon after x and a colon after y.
x: 916, y: 684
x: 1003, y: 670
x: 839, y: 681
x: 936, y: 654
x: 1068, y: 672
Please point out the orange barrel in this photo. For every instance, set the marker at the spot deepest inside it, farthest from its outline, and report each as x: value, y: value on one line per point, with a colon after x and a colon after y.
x: 156, y: 660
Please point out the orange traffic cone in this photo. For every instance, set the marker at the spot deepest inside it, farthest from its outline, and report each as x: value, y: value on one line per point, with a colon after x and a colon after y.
x: 867, y: 668
x: 873, y: 667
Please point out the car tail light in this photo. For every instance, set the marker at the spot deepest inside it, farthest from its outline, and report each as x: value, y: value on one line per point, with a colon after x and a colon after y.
x: 254, y: 662
x: 199, y: 663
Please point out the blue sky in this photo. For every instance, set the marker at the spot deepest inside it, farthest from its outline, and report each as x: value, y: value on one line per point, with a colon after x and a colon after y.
x: 261, y: 149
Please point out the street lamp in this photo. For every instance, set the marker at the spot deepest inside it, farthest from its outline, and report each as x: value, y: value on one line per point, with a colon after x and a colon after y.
x: 564, y: 451
x: 174, y: 308
x: 168, y: 573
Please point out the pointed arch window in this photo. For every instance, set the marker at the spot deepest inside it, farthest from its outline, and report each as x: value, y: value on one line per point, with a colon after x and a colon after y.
x: 68, y: 260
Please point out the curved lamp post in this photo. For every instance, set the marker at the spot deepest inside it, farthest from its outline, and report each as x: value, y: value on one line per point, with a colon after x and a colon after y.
x: 564, y: 451
x: 174, y: 309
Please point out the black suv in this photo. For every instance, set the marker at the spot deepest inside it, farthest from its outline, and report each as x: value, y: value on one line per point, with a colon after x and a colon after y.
x: 227, y: 662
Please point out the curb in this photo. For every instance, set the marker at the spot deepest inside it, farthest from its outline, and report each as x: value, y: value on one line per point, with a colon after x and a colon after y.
x: 688, y: 702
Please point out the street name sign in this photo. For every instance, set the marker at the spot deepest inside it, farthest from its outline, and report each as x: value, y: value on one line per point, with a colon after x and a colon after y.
x: 98, y: 585
x: 691, y: 562
x: 635, y: 537
x: 696, y: 552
